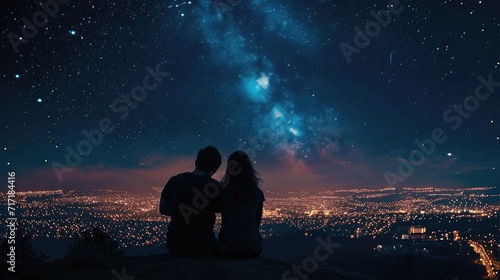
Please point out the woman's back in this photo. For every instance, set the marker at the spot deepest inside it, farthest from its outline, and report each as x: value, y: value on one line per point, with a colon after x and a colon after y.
x: 239, y: 234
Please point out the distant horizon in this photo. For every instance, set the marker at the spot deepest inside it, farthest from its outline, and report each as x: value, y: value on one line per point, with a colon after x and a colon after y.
x: 343, y: 173
x: 158, y: 189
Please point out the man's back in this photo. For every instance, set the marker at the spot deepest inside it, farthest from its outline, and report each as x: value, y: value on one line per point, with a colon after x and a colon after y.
x: 190, y: 232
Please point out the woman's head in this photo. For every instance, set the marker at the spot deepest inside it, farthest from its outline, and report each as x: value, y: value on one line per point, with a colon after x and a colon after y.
x: 239, y: 165
x: 241, y: 179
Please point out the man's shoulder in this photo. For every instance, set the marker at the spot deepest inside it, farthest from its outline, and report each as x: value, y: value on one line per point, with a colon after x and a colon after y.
x: 180, y: 177
x: 176, y: 180
x: 188, y: 177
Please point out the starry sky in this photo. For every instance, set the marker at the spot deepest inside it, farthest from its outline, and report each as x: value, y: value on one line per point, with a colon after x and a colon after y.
x: 321, y: 94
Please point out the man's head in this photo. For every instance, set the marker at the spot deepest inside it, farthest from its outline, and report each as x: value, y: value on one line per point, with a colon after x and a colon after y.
x: 208, y: 160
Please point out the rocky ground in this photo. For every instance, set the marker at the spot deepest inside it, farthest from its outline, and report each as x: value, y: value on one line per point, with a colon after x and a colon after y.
x: 167, y: 267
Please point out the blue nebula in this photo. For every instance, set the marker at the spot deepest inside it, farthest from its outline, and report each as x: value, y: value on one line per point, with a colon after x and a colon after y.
x: 256, y: 89
x: 233, y: 41
x: 279, y: 22
x: 253, y: 91
x: 284, y: 122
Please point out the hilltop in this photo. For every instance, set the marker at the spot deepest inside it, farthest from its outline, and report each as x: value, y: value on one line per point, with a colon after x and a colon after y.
x: 167, y: 267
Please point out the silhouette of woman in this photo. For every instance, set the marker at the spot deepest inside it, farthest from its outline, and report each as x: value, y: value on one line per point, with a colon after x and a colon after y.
x: 241, y: 204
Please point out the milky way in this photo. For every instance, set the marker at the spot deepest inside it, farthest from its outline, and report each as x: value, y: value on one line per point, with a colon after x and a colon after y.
x: 298, y: 128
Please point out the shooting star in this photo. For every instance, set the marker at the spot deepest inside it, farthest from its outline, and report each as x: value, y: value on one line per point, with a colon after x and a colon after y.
x: 390, y: 59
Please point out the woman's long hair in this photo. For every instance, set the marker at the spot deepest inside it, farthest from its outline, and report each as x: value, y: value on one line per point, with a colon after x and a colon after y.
x: 241, y: 180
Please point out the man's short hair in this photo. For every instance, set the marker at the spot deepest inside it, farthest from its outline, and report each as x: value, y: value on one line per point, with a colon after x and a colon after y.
x: 208, y: 159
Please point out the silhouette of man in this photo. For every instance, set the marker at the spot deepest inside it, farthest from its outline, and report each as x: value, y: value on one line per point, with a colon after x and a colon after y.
x: 188, y: 198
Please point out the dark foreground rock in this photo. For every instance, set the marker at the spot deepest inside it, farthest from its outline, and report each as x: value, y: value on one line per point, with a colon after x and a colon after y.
x: 167, y: 267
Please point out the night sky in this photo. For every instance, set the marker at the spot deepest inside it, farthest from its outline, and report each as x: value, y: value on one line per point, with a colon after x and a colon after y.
x: 268, y: 77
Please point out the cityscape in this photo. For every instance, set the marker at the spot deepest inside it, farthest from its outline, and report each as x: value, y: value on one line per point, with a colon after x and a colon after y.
x: 462, y: 220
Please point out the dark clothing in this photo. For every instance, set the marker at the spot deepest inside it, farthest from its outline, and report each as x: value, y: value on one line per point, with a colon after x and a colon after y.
x: 239, y: 234
x: 192, y: 211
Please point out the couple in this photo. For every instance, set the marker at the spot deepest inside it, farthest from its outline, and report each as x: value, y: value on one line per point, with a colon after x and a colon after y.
x: 191, y: 199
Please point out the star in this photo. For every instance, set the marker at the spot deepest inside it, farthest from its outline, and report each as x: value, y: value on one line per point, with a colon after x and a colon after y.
x: 72, y: 32
x: 39, y: 100
x: 17, y: 76
x: 450, y: 154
